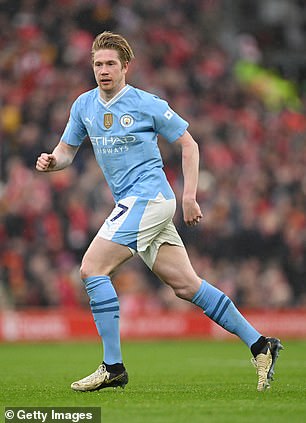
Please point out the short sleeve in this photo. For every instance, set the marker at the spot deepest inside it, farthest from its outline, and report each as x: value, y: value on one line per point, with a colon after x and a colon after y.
x: 75, y: 131
x: 167, y: 122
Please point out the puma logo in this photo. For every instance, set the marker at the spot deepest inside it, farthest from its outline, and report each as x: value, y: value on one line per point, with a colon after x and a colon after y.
x: 90, y: 121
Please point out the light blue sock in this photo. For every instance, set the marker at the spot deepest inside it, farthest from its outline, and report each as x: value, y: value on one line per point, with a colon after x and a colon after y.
x: 105, y: 309
x: 221, y: 310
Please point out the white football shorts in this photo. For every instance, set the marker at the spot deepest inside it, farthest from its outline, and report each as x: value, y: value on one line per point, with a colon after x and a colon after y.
x: 142, y: 225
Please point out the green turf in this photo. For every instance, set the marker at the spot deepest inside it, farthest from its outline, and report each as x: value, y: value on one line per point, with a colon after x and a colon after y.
x: 175, y: 381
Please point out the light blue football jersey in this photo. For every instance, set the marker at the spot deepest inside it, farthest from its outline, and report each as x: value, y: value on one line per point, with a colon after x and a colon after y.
x: 123, y: 133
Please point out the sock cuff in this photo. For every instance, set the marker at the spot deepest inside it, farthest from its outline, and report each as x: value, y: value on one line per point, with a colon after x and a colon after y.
x: 91, y: 280
x: 201, y: 292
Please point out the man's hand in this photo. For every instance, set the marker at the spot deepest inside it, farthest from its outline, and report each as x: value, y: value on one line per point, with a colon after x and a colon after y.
x: 192, y: 212
x: 45, y: 162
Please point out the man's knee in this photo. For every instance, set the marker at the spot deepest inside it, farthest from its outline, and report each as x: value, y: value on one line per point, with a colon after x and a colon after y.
x: 186, y: 292
x: 88, y: 269
x: 185, y: 285
x: 84, y: 271
x: 184, y: 282
x: 93, y: 268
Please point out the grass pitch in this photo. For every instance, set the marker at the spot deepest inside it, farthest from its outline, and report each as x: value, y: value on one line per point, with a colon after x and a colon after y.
x: 173, y: 381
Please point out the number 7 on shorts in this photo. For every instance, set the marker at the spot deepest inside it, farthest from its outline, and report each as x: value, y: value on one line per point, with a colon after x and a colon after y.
x: 123, y: 210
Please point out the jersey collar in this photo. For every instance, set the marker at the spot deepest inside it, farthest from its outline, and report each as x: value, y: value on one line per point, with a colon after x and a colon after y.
x: 113, y: 100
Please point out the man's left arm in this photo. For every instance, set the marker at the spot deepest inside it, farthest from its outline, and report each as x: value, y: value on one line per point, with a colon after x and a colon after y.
x: 190, y: 166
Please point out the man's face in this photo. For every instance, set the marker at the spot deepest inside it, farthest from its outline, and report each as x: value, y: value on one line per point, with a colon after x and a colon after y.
x: 109, y: 72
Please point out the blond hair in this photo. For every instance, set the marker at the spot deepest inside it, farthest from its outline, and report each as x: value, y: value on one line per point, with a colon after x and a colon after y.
x: 109, y: 40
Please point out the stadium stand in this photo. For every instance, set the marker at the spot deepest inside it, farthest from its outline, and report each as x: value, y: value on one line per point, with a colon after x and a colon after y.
x: 237, y: 74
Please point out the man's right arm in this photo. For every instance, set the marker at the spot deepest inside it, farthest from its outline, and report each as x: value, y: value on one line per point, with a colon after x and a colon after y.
x: 61, y: 157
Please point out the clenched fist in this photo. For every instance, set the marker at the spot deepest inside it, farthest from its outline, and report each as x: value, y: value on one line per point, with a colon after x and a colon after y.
x: 45, y: 162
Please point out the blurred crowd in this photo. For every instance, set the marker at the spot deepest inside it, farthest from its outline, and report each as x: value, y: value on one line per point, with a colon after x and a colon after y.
x: 252, y: 185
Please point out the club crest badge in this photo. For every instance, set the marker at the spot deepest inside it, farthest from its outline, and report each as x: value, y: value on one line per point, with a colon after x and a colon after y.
x: 108, y: 120
x: 126, y: 121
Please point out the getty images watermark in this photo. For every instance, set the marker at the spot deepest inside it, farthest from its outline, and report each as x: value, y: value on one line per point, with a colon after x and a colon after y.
x: 52, y: 414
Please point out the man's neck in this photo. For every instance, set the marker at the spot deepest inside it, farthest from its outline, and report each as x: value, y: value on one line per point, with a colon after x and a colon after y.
x: 109, y: 95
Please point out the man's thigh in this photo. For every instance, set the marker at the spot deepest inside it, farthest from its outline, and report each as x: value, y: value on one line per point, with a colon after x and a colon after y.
x: 172, y: 265
x: 103, y: 257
